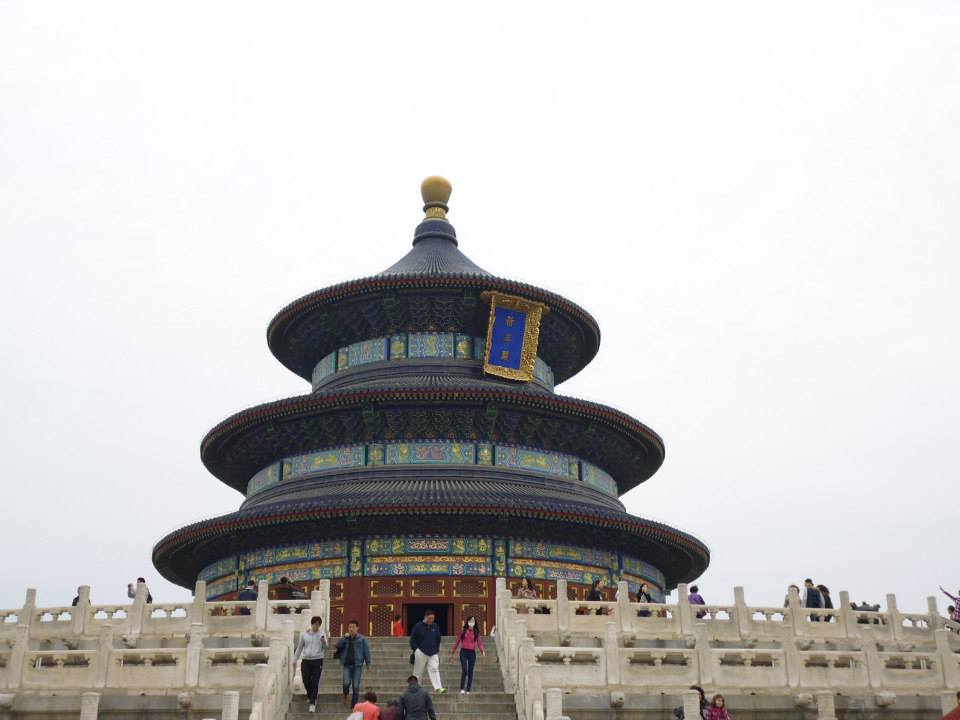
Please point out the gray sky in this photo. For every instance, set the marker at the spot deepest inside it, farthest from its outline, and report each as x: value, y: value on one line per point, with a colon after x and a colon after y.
x: 757, y: 201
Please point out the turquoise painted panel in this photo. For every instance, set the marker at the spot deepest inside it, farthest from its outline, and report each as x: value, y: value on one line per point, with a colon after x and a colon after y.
x: 221, y: 587
x: 333, y: 459
x: 325, y: 368
x: 301, y: 572
x: 479, y: 347
x: 376, y: 454
x: 484, y: 454
x: 537, y: 460
x: 551, y: 551
x: 595, y: 477
x: 430, y: 345
x: 270, y: 475
x: 542, y: 372
x: 367, y: 351
x: 634, y: 566
x: 537, y: 570
x: 430, y: 452
x: 266, y: 557
x: 227, y: 566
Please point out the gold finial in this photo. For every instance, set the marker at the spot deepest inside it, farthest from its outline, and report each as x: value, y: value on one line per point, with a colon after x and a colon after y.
x: 435, y: 191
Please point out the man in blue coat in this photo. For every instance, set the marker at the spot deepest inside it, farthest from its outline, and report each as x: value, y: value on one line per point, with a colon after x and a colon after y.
x: 353, y: 652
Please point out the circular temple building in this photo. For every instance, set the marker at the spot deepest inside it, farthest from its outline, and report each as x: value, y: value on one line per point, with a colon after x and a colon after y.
x: 432, y: 454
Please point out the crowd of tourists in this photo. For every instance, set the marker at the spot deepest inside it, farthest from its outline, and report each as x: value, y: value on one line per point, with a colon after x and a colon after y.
x: 353, y: 652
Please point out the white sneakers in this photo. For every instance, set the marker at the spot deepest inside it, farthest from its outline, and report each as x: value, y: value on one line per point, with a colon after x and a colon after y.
x: 311, y: 708
x: 462, y: 692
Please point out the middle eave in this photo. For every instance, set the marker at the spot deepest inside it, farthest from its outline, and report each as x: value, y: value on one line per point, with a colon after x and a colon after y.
x: 247, y: 442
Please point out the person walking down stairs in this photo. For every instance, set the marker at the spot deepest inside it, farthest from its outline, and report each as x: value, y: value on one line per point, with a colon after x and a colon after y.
x: 469, y: 642
x: 425, y: 643
x: 353, y: 652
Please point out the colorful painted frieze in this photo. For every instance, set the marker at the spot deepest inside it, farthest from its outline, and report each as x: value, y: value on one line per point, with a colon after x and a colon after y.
x: 398, y: 347
x: 222, y: 586
x: 430, y: 452
x: 227, y: 566
x: 270, y: 475
x: 324, y: 369
x: 332, y: 459
x: 543, y: 373
x: 440, y: 565
x: 313, y: 570
x: 463, y: 347
x: 376, y: 454
x: 500, y: 557
x: 529, y: 459
x: 641, y: 569
x: 547, y: 570
x: 427, y: 546
x: 484, y: 454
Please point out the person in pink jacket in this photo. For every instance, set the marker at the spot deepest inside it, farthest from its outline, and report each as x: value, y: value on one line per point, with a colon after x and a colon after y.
x: 469, y: 641
x: 717, y: 709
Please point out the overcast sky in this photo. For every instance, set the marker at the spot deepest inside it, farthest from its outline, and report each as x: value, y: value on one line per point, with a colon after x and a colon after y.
x: 757, y: 201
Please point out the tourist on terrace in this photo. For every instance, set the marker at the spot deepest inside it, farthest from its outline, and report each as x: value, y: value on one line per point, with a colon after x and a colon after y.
x: 284, y: 591
x: 717, y: 709
x: 812, y: 598
x: 694, y: 598
x: 369, y: 706
x: 786, y: 598
x: 643, y: 596
x: 525, y: 591
x: 132, y: 590
x: 76, y: 600
x: 956, y: 599
x: 425, y: 643
x: 248, y: 594
x: 469, y: 641
x: 827, y: 602
x: 396, y: 630
x: 353, y: 652
x: 415, y: 703
x: 312, y: 645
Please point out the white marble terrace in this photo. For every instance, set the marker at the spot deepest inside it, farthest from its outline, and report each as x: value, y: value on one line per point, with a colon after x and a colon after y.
x: 551, y: 649
x: 233, y: 654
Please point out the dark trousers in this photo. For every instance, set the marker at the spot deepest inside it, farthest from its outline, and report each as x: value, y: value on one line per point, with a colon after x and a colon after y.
x: 468, y: 658
x: 310, y: 671
x: 351, y: 676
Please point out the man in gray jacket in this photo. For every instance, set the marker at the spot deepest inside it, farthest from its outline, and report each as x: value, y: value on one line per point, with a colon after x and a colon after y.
x: 415, y: 703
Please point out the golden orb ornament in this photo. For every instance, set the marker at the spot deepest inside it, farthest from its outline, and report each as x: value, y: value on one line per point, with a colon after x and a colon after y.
x: 435, y: 191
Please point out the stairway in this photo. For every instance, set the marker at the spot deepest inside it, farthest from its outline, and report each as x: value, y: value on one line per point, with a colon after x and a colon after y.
x: 388, y: 678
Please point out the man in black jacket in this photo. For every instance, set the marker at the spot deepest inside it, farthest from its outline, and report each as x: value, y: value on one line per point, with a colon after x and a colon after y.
x: 415, y: 703
x: 812, y: 598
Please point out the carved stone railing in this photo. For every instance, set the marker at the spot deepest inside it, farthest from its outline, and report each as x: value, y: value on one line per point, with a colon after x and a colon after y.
x: 649, y: 648
x: 199, y: 646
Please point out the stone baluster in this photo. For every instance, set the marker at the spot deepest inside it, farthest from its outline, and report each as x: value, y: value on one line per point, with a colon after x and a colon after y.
x: 320, y: 603
x: 826, y: 708
x: 846, y: 617
x: 198, y: 632
x: 933, y: 614
x: 563, y: 611
x: 691, y: 704
x: 874, y: 663
x: 29, y: 608
x: 683, y: 608
x: 948, y: 702
x: 896, y: 620
x: 799, y: 619
x: 554, y: 708
x: 704, y: 654
x: 261, y: 682
x: 744, y: 620
x: 281, y: 644
x: 78, y: 619
x: 947, y: 659
x: 89, y: 706
x: 791, y: 655
x: 611, y: 653
x: 623, y: 606
x: 230, y: 706
x: 137, y: 611
x: 198, y: 610
x: 262, y: 613
x: 18, y: 654
x: 103, y: 657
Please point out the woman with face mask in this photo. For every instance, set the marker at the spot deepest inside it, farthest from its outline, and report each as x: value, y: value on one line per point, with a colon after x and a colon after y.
x: 469, y: 642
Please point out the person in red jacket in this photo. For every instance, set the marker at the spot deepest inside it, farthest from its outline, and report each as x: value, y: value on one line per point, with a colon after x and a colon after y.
x: 718, y: 709
x: 469, y: 641
x: 396, y: 630
x: 955, y: 713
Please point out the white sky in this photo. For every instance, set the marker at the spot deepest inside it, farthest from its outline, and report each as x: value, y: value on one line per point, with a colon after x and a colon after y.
x: 757, y: 201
